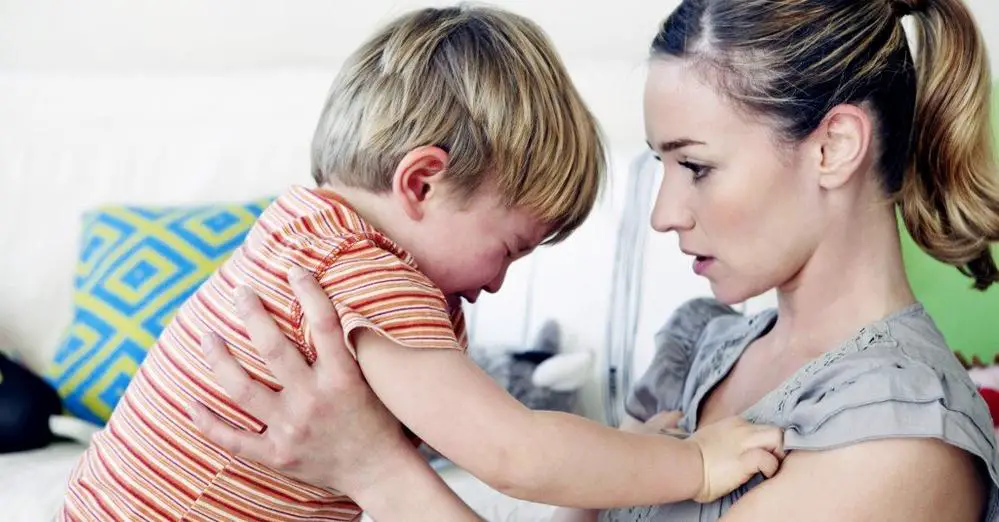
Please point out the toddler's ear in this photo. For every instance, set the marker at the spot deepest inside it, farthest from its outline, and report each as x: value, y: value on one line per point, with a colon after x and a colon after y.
x: 418, y: 178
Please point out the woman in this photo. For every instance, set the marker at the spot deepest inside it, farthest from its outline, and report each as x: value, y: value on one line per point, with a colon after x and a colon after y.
x: 787, y: 132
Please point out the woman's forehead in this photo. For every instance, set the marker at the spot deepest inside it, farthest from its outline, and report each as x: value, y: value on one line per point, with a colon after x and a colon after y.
x: 680, y: 105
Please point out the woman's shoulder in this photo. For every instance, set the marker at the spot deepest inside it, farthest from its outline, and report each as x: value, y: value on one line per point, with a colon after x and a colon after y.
x: 901, y: 358
x: 895, y: 379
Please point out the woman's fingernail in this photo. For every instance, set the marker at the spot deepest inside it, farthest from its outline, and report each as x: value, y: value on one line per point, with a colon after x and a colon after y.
x: 242, y: 294
x: 192, y: 412
x: 208, y: 342
x: 297, y: 274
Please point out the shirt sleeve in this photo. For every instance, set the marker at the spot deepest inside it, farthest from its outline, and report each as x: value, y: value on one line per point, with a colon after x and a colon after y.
x: 373, y: 288
x: 881, y: 395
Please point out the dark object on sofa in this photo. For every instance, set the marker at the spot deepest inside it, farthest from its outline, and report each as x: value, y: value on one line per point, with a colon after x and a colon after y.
x: 26, y: 403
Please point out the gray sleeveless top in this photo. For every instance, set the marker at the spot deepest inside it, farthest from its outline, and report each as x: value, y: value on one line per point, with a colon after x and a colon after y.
x: 894, y: 370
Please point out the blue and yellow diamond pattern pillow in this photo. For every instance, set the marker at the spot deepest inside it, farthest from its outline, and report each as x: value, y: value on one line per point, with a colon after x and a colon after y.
x: 136, y: 266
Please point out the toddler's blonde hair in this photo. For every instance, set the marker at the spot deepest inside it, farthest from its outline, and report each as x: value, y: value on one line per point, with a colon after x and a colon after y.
x: 483, y: 84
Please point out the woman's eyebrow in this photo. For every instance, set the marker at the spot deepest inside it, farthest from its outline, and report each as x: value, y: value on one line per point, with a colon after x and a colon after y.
x: 669, y: 146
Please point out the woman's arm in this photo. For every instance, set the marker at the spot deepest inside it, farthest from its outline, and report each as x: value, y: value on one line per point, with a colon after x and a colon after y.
x: 357, y: 446
x: 412, y: 491
x: 896, y: 480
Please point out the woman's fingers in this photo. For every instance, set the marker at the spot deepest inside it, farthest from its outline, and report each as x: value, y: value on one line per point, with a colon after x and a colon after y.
x: 283, y: 358
x: 332, y: 356
x: 325, y: 427
x: 254, y: 397
x: 662, y: 423
x: 665, y: 420
x: 243, y: 443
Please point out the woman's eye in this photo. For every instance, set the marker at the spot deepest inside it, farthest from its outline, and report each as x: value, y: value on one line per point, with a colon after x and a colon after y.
x: 699, y: 171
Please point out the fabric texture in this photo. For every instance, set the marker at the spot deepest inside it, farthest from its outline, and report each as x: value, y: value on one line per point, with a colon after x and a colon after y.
x: 151, y: 463
x: 136, y: 266
x: 894, y: 378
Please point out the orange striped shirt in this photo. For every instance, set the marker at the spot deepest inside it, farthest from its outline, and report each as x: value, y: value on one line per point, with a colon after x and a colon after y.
x: 151, y: 463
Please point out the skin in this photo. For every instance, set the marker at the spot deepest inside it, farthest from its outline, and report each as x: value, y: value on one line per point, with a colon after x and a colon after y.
x: 811, y: 221
x: 464, y: 247
x: 808, y: 219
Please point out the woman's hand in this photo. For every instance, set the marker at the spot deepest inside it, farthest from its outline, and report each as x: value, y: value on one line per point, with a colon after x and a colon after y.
x: 662, y: 423
x: 325, y: 427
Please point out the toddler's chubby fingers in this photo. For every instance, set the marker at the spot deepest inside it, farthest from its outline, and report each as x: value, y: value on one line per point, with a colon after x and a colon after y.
x: 769, y: 438
x: 762, y: 461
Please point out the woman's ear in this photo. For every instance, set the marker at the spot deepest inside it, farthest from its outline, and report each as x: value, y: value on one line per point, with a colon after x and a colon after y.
x: 418, y: 178
x: 843, y: 139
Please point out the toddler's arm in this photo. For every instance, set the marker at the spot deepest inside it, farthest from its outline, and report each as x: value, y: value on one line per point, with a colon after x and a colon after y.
x: 660, y: 423
x: 552, y: 457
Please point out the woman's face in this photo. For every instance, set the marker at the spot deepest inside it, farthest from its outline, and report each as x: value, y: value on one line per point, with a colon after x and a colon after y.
x: 742, y: 205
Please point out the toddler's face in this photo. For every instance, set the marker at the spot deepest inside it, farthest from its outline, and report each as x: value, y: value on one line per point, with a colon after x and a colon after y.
x: 466, y: 247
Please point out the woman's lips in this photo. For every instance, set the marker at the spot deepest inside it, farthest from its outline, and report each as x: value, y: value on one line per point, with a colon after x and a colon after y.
x: 702, y: 264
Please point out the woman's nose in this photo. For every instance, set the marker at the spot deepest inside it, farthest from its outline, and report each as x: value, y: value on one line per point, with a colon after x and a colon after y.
x: 671, y: 211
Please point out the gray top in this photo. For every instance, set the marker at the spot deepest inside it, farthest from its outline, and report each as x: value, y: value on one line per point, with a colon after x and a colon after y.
x: 894, y: 378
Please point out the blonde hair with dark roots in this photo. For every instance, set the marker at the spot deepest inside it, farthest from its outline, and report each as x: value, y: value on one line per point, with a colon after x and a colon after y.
x: 792, y: 61
x: 483, y: 84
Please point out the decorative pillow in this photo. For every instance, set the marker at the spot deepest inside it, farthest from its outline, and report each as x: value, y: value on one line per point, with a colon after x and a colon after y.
x: 136, y: 266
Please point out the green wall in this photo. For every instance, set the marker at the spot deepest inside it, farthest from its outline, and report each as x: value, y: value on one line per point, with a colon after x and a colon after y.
x: 968, y: 318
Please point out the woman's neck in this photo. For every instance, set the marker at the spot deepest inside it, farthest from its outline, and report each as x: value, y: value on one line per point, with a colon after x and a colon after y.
x: 856, y: 276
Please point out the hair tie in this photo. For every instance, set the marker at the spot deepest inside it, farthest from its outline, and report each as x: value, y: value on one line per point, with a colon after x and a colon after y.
x: 907, y: 7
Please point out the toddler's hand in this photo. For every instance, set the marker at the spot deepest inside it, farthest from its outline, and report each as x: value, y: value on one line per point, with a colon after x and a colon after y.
x: 733, y: 450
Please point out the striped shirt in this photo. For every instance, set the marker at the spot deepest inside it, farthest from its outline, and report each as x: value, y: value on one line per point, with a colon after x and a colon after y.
x: 151, y: 463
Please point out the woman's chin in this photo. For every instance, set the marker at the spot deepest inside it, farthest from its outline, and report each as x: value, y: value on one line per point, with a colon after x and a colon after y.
x: 731, y: 294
